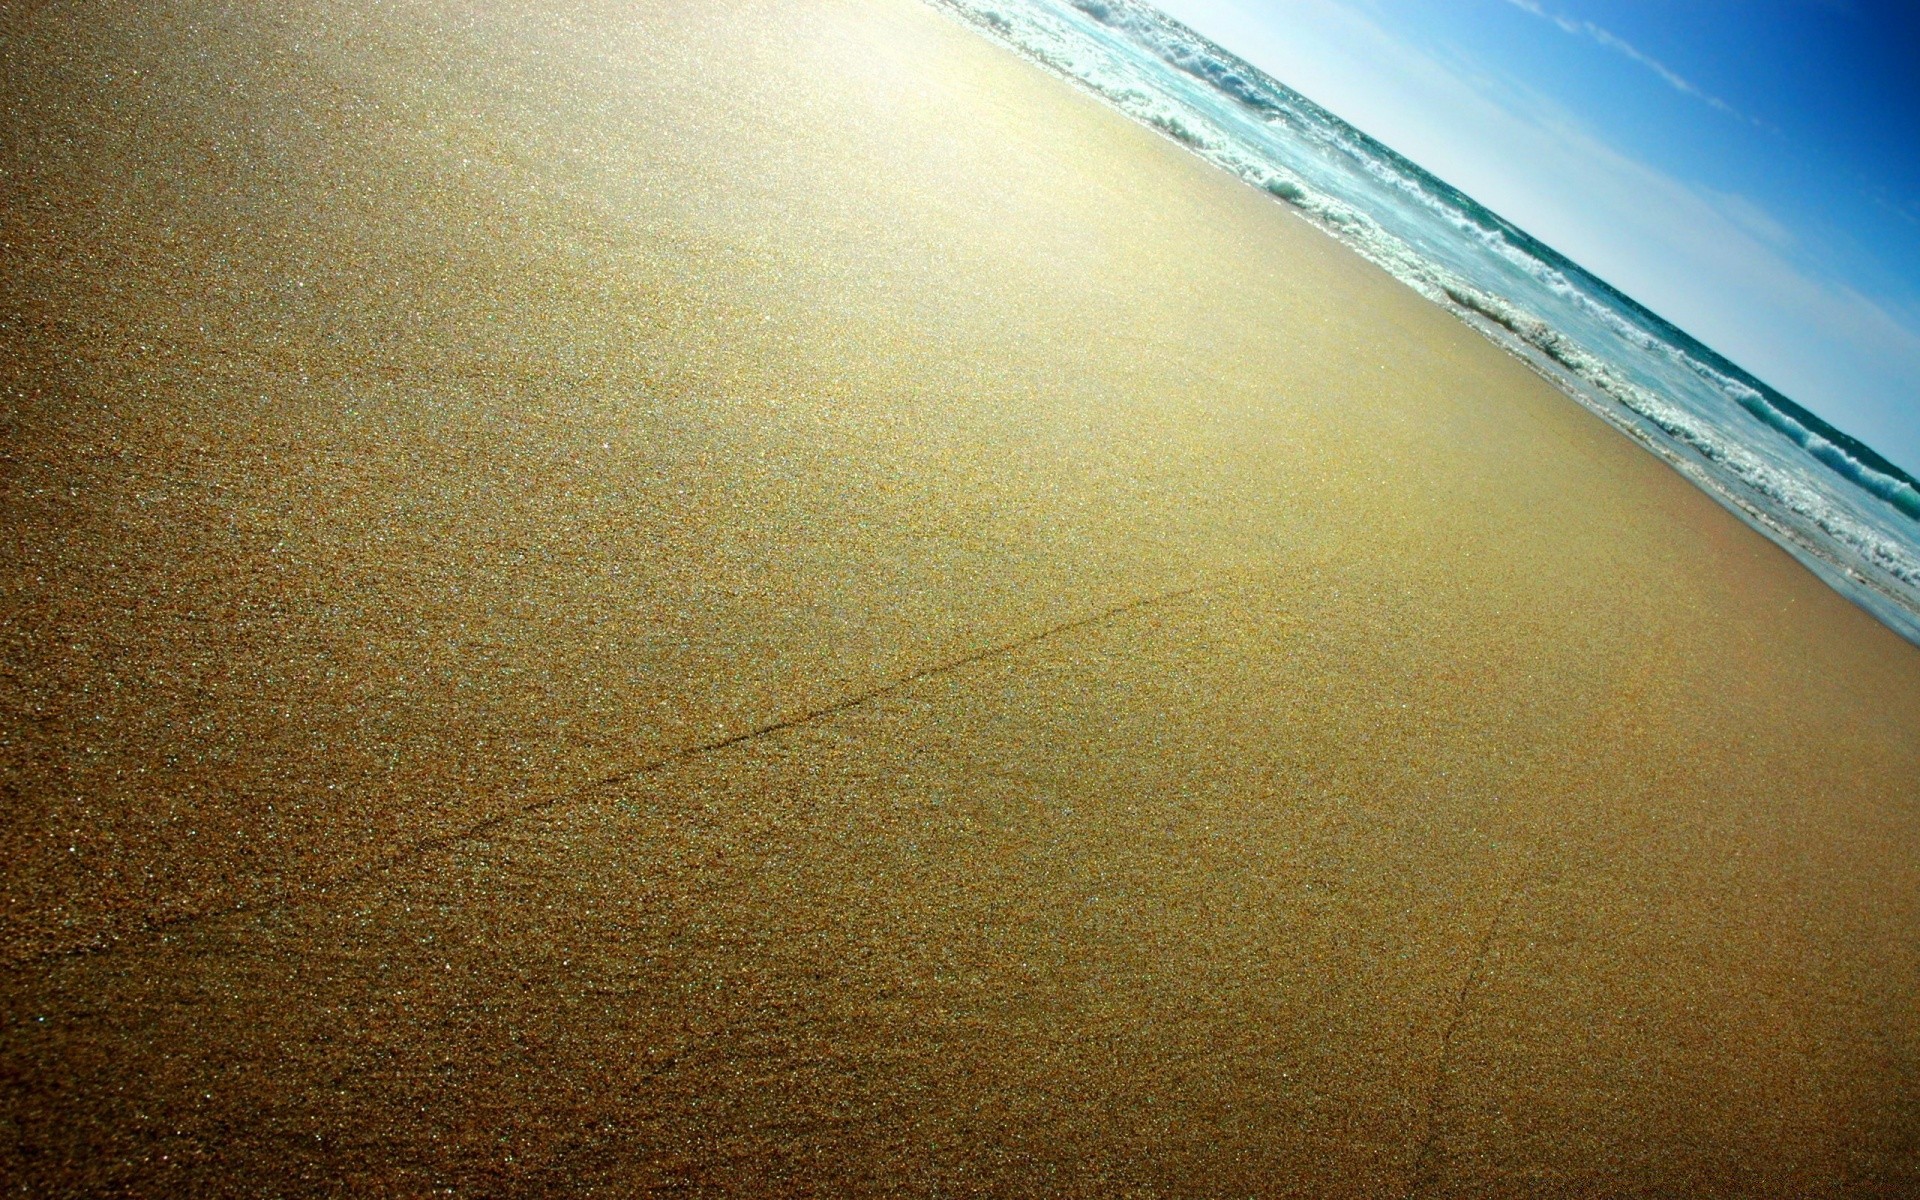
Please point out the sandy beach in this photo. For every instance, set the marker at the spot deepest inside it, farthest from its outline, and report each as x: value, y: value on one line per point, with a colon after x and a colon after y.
x: 763, y: 599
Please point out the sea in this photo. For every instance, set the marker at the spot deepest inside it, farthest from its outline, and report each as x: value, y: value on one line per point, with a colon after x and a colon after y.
x: 1848, y: 514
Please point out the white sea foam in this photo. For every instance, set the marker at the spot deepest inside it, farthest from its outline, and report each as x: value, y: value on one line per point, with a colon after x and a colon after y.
x: 1854, y: 524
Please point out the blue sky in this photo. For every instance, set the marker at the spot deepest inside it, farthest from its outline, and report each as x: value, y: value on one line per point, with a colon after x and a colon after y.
x: 1749, y: 170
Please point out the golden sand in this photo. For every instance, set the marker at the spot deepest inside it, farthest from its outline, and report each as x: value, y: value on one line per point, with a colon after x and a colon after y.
x: 761, y: 598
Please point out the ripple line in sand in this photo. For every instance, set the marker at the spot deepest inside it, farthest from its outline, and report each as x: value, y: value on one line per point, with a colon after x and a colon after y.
x: 480, y: 828
x: 1420, y: 1177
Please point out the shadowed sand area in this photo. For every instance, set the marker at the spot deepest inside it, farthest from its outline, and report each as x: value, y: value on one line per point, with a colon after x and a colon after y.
x: 760, y: 598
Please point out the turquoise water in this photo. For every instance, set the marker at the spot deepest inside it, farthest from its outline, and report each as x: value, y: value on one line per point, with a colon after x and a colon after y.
x: 1851, y: 516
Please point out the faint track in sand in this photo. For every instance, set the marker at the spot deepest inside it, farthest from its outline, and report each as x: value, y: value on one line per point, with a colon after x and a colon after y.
x: 429, y: 845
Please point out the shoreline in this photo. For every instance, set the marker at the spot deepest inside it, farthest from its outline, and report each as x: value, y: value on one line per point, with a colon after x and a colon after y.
x: 1856, y: 560
x: 771, y: 599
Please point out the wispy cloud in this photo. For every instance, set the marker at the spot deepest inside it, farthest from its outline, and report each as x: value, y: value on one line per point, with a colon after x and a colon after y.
x: 1750, y: 217
x: 1621, y: 46
x: 1903, y: 211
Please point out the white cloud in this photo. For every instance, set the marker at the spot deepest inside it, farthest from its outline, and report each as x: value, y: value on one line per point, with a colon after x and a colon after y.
x: 1619, y: 45
x: 1751, y: 217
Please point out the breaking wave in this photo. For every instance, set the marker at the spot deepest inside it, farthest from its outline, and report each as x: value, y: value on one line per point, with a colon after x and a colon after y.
x: 1846, y: 512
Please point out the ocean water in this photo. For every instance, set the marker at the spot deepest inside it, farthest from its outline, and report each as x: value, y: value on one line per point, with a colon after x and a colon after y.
x: 1852, y: 517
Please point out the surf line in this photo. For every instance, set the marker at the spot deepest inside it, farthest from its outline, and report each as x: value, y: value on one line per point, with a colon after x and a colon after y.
x: 291, y: 897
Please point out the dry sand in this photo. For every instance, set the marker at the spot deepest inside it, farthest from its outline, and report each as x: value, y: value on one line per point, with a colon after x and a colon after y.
x: 760, y: 598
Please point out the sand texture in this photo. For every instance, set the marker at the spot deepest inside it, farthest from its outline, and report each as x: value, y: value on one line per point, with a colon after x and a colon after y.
x: 760, y: 598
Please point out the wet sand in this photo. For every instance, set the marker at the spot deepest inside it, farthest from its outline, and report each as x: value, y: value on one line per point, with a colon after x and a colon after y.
x: 763, y: 599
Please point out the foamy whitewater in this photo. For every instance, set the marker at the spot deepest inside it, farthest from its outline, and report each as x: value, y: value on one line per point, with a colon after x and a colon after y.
x: 1848, y: 514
